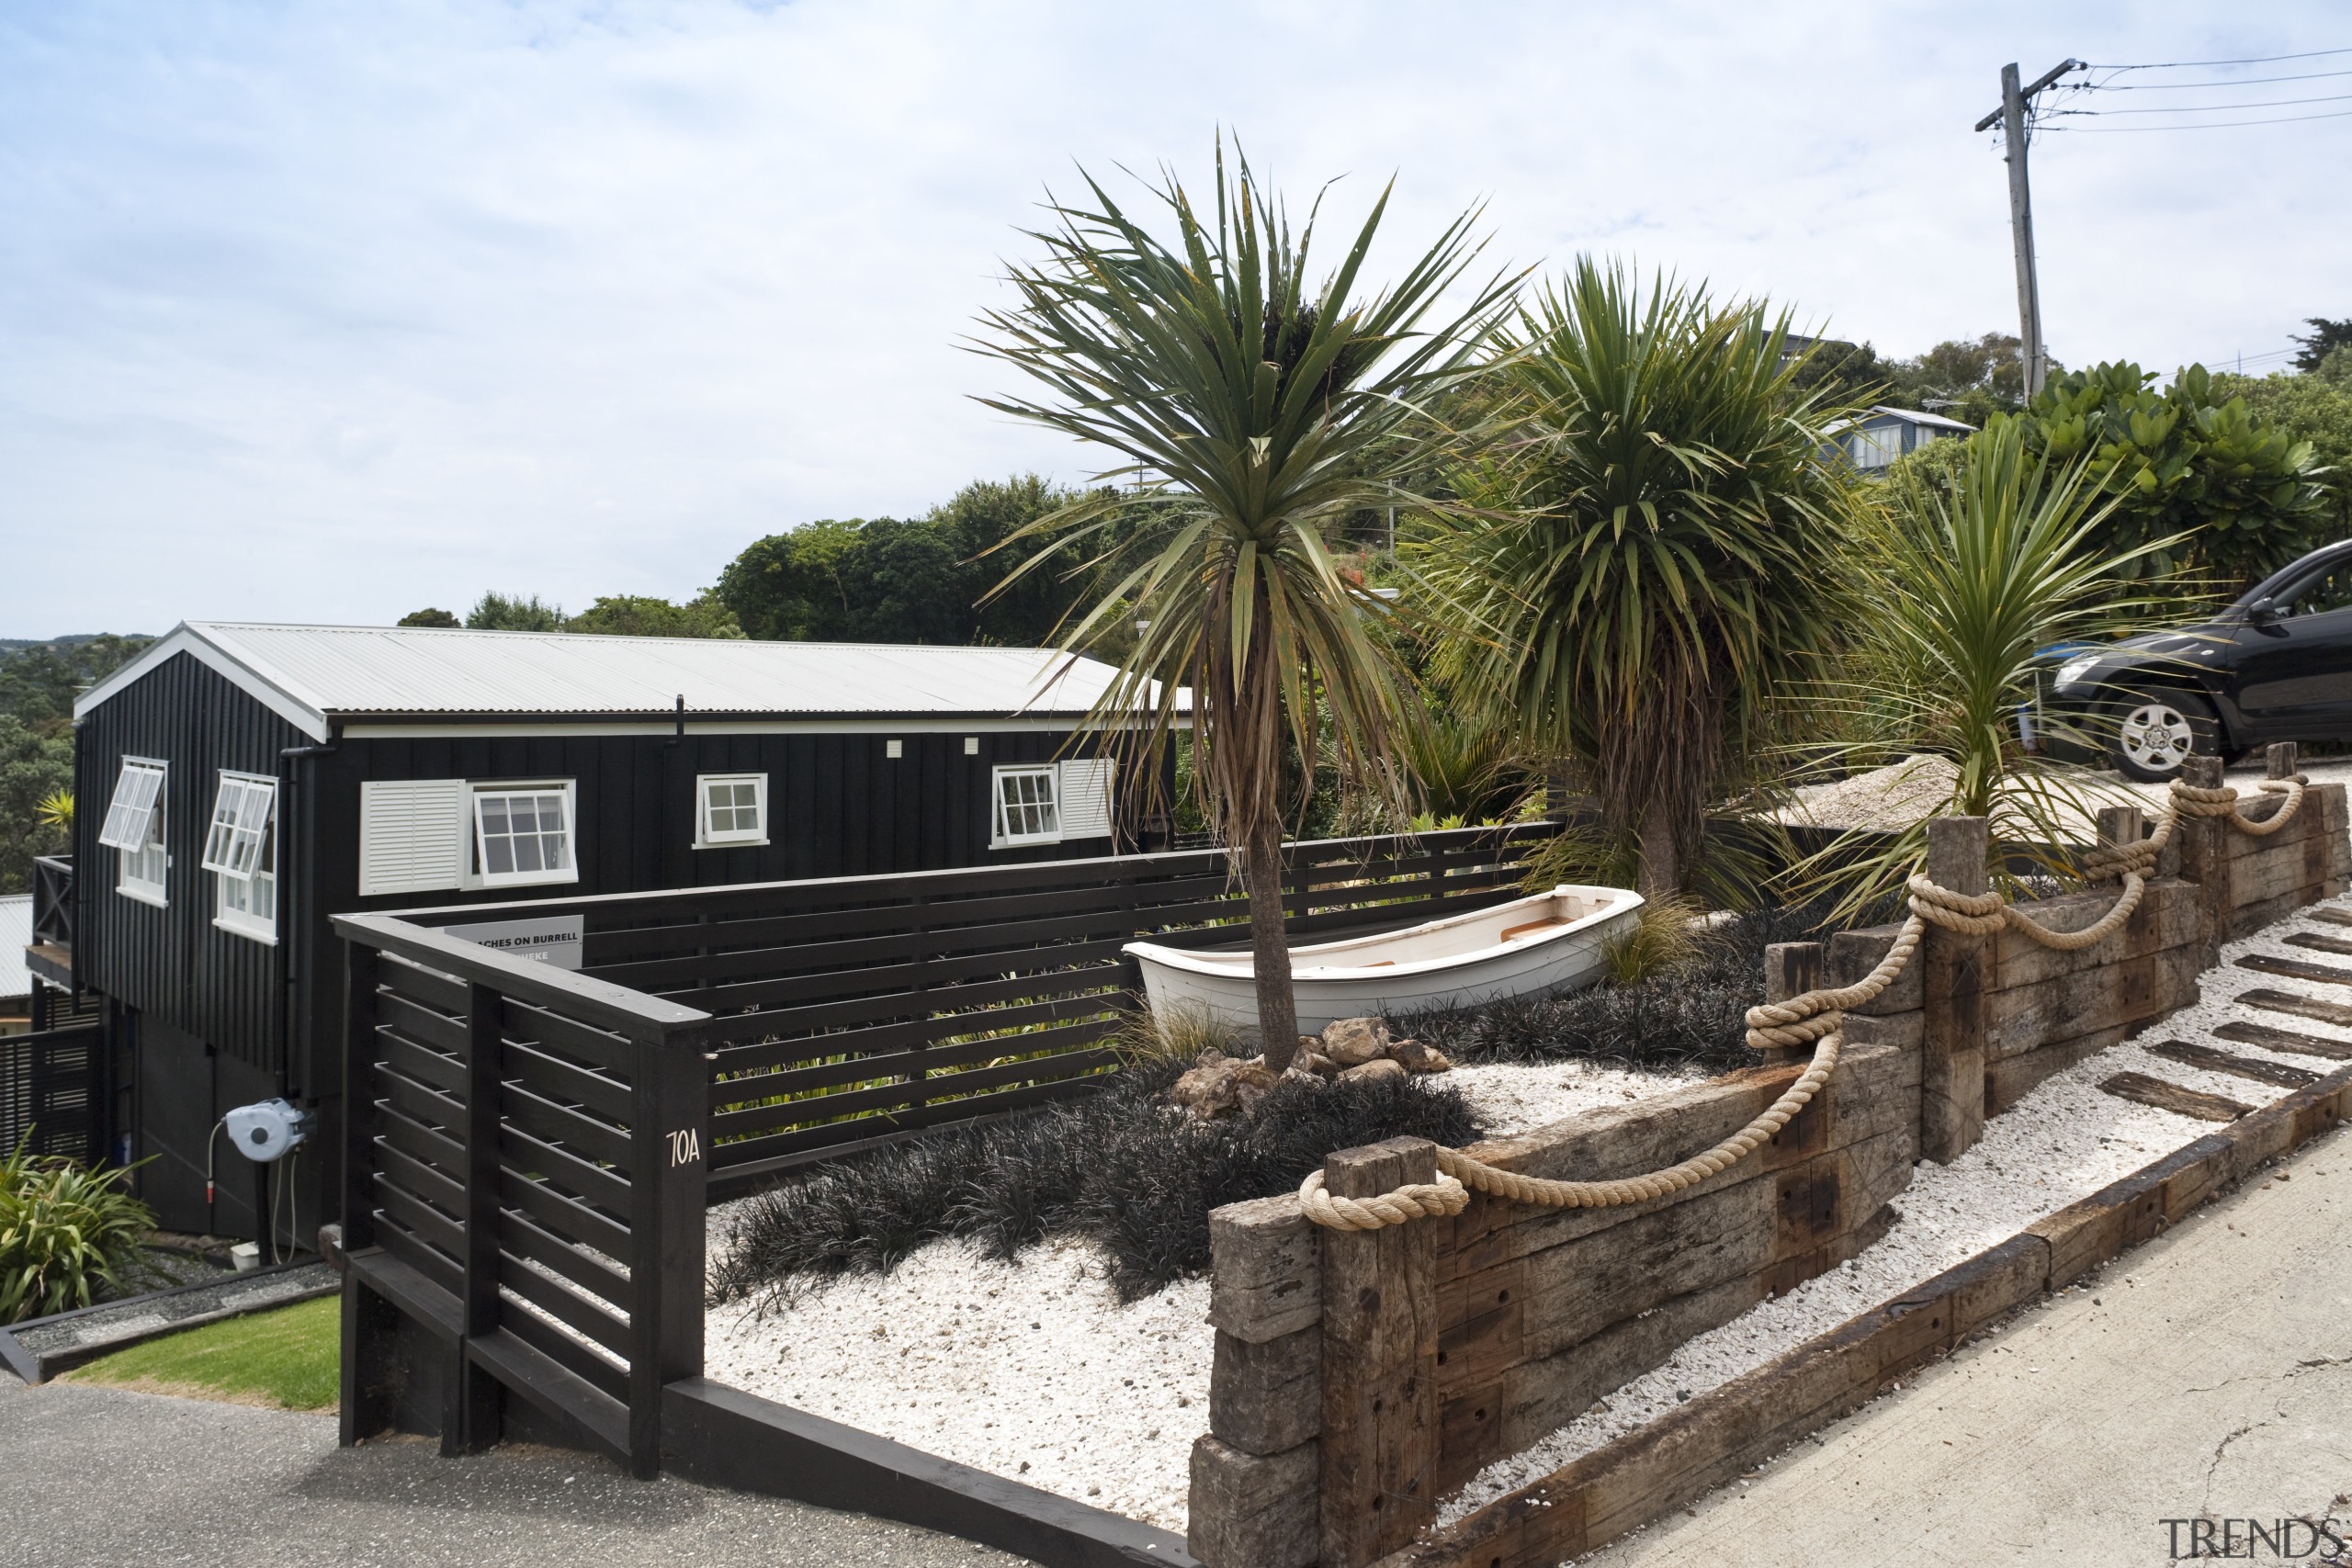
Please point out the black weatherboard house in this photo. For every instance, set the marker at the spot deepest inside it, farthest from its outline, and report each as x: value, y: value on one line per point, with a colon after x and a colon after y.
x: 244, y: 783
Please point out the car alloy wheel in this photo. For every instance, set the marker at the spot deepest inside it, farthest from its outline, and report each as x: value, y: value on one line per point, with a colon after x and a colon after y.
x: 2156, y: 736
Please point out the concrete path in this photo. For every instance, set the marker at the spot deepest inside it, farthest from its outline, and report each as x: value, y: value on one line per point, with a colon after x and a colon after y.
x: 98, y: 1476
x: 2205, y: 1378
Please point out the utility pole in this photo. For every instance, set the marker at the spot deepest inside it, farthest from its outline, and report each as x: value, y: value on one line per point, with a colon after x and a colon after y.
x: 2031, y: 354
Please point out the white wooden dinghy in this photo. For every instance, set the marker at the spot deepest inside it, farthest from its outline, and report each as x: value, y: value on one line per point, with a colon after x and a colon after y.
x: 1528, y: 947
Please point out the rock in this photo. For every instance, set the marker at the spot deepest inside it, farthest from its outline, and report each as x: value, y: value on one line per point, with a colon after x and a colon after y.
x: 1218, y: 1085
x: 1252, y: 1083
x: 1416, y: 1057
x: 1367, y: 1071
x: 1352, y: 1042
x: 1297, y: 1073
x: 1316, y: 1062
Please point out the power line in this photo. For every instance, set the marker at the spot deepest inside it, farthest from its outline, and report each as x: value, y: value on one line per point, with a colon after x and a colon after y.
x: 2199, y: 125
x: 2189, y: 86
x: 2219, y: 108
x: 2194, y: 64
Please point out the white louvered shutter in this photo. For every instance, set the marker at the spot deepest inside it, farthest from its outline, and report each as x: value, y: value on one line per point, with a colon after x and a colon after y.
x: 1086, y: 797
x: 411, y: 836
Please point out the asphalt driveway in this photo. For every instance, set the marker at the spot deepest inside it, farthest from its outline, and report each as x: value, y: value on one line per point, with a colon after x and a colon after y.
x: 101, y: 1476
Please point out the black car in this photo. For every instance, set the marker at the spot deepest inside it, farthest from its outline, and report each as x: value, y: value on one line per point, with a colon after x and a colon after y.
x: 2277, y: 665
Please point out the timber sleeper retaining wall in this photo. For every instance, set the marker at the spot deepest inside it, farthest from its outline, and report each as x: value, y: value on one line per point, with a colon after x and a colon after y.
x: 1360, y: 1377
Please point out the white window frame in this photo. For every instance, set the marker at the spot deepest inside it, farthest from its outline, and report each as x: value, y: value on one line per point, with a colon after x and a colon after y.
x: 478, y: 874
x: 709, y: 838
x: 241, y: 851
x: 134, y: 828
x: 244, y: 807
x: 1000, y: 835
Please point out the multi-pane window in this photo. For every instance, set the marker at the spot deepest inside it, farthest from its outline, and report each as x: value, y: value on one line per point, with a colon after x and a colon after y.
x: 1028, y: 810
x: 134, y: 828
x: 523, y: 833
x: 1875, y: 448
x: 241, y: 851
x: 733, y: 809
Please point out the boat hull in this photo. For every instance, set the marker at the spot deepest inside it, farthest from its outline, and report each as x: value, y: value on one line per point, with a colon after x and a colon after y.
x: 1534, y: 946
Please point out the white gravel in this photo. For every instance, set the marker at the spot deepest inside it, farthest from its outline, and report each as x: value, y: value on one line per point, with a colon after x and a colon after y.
x: 1034, y: 1369
x: 2062, y: 1142
x: 1520, y: 1098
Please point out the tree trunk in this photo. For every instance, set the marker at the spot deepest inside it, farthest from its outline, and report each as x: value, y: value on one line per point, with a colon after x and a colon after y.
x: 1261, y: 871
x: 1661, y: 868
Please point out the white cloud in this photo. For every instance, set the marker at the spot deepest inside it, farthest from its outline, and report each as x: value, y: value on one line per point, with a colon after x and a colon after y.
x: 317, y: 311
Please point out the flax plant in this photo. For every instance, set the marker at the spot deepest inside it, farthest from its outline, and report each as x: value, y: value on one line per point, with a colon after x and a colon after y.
x: 1254, y: 410
x: 1970, y: 580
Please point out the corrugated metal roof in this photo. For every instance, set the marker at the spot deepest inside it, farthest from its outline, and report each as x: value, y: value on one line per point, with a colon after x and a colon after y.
x: 314, y: 673
x: 1907, y: 416
x: 15, y: 930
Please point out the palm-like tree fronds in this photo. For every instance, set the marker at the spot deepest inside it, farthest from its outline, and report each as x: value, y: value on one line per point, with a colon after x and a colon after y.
x: 1252, y: 412
x: 1972, y: 582
x: 1658, y: 559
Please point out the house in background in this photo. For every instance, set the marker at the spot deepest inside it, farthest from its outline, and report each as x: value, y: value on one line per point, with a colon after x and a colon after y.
x: 1871, y: 441
x: 246, y: 781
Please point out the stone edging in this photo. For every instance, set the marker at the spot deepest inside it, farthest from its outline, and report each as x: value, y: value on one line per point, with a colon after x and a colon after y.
x: 1717, y: 1436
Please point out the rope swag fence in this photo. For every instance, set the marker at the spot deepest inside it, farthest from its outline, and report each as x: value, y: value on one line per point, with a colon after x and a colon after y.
x: 1814, y: 1018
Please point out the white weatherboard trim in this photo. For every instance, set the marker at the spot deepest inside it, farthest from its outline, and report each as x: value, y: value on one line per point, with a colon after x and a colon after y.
x: 184, y: 638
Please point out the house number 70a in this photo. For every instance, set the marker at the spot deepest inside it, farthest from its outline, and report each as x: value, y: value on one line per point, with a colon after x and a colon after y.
x: 684, y: 1147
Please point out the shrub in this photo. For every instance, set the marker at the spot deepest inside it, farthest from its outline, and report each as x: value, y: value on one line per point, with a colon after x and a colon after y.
x: 1121, y: 1167
x: 65, y: 1232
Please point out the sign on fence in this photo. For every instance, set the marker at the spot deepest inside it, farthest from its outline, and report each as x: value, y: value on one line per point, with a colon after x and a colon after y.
x: 548, y: 939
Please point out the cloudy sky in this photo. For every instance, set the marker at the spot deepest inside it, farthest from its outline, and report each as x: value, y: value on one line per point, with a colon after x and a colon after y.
x: 331, y: 312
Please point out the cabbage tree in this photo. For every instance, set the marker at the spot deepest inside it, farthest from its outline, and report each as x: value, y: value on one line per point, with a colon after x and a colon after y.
x: 1252, y: 407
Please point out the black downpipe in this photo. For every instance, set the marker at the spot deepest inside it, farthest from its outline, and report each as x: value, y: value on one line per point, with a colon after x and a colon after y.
x: 293, y: 910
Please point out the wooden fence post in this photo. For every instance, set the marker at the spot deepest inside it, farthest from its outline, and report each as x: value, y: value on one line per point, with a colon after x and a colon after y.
x: 1956, y: 972
x: 1380, y: 1416
x: 471, y: 1422
x: 1791, y: 969
x: 2205, y: 860
x: 669, y: 1152
x: 2120, y: 826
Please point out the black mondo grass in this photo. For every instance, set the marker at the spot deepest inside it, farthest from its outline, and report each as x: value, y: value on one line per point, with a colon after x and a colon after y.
x: 1121, y: 1167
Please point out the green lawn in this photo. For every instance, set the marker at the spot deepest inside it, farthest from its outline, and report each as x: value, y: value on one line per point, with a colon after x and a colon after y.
x: 290, y: 1357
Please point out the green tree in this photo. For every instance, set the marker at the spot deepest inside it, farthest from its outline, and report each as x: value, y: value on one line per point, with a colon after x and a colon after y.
x: 2309, y: 407
x: 1660, y: 562
x: 2242, y: 494
x: 38, y: 684
x: 626, y: 615
x: 1254, y: 412
x: 503, y: 613
x: 2324, y: 338
x: 33, y: 767
x: 428, y: 617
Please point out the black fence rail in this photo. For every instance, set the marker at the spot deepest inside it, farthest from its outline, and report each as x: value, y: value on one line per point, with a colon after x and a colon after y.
x: 851, y: 1011
x: 523, y: 1179
x: 54, y: 901
x: 50, y: 1091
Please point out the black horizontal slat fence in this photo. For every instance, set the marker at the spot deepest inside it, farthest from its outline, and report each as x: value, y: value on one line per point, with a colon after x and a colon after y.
x: 529, y: 1150
x: 848, y: 1010
x: 524, y: 1165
